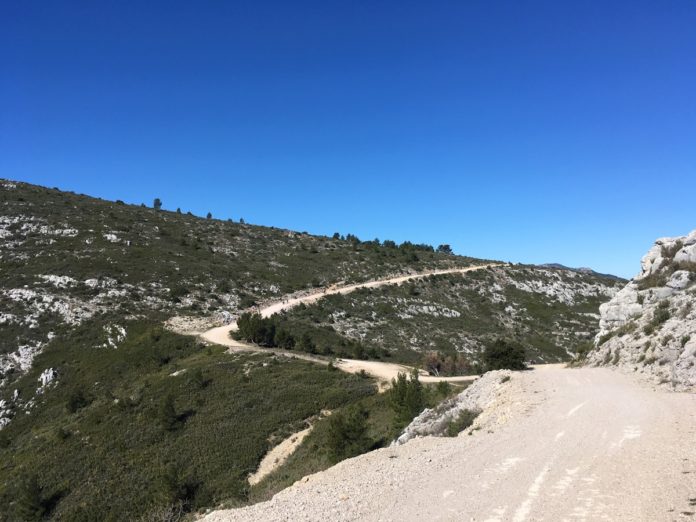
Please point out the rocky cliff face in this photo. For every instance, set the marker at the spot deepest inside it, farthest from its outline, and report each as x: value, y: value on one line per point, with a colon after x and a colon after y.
x: 649, y: 327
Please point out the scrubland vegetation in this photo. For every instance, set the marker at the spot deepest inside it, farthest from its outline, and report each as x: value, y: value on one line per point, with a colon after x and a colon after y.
x: 138, y: 421
x: 161, y: 421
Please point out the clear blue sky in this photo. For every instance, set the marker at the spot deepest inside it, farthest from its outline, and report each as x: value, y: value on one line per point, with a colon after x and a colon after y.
x: 534, y: 131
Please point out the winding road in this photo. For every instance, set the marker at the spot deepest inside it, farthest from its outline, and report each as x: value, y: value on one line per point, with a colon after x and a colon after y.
x: 384, y: 372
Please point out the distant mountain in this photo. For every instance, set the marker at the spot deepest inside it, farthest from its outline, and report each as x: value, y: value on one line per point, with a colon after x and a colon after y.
x: 583, y: 270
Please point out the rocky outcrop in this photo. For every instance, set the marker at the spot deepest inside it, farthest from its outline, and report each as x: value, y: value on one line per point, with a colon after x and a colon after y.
x: 476, y: 398
x: 649, y: 327
x: 46, y: 378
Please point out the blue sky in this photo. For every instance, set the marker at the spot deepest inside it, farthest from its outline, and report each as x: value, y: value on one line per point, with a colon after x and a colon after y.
x: 536, y: 131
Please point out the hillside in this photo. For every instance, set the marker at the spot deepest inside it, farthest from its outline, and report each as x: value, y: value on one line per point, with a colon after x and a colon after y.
x: 67, y: 259
x: 649, y: 327
x: 85, y: 287
x: 552, y: 312
x: 550, y: 443
x: 92, y: 383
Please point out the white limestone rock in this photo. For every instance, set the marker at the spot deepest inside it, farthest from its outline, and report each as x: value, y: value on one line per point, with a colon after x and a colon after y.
x: 59, y: 281
x: 687, y: 254
x: 679, y: 280
x: 651, y: 330
x: 475, y: 398
x: 115, y: 334
x: 622, y: 307
x: 652, y: 261
x: 47, y: 377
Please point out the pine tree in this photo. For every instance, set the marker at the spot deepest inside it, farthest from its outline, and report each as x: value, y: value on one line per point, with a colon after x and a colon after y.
x: 407, y: 398
x: 347, y: 434
x: 167, y: 414
x: 30, y: 505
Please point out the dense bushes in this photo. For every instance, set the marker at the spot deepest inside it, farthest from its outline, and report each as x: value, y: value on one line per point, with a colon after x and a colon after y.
x: 149, y: 441
x: 279, y: 332
x: 504, y: 354
x: 167, y: 414
x: 257, y: 330
x: 31, y: 504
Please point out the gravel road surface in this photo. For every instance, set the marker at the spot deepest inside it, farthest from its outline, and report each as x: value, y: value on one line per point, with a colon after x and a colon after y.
x: 558, y: 444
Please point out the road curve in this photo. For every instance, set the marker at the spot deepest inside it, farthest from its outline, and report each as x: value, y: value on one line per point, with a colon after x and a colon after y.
x: 561, y: 445
x: 383, y: 371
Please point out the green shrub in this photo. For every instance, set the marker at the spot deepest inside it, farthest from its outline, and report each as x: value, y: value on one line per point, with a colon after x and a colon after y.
x: 460, y: 423
x: 503, y: 354
x: 76, y: 401
x: 347, y: 434
x: 605, y: 337
x: 436, y: 363
x: 407, y: 398
x: 179, y: 486
x: 168, y: 418
x: 670, y: 252
x: 30, y: 505
x: 583, y: 351
x: 443, y: 388
x: 661, y: 314
x: 198, y: 380
x: 256, y: 329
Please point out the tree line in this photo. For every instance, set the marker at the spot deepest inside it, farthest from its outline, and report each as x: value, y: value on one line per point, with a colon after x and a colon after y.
x: 388, y: 243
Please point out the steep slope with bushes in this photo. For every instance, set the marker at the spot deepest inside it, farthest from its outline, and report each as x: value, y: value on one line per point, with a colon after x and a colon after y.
x: 552, y: 312
x: 68, y: 258
x: 92, y: 385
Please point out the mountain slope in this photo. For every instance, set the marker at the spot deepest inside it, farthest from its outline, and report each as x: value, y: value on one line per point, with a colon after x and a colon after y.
x: 92, y: 384
x: 67, y: 259
x: 552, y: 312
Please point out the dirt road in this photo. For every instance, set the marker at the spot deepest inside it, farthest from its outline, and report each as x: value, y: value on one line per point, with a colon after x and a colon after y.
x: 585, y: 444
x: 383, y: 371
